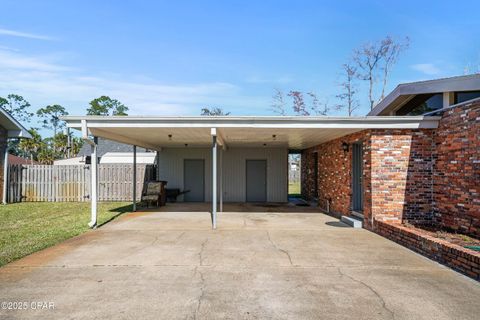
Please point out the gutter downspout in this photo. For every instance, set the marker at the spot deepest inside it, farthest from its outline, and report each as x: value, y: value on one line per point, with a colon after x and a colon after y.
x: 93, y: 163
x: 5, y: 174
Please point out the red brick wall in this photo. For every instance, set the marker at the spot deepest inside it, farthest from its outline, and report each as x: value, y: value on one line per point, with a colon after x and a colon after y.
x: 307, y: 175
x: 456, y: 257
x: 334, y: 173
x: 457, y: 170
x: 401, y: 175
x: 421, y: 176
x: 397, y: 167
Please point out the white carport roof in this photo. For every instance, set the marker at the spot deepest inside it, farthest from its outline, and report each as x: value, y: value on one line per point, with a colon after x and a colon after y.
x: 246, y: 131
x: 159, y: 132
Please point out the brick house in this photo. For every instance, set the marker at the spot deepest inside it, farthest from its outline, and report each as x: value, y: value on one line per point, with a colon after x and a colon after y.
x: 414, y: 158
x: 420, y: 176
x: 9, y: 129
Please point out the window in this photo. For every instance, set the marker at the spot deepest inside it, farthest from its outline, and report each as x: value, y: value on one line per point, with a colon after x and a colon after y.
x: 466, y: 95
x: 421, y: 104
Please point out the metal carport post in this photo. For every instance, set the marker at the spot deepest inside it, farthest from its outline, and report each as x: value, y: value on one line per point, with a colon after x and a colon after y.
x: 214, y: 177
x: 134, y: 207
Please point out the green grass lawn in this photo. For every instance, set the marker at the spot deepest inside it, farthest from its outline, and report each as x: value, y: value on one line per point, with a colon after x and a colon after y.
x: 32, y: 226
x: 294, y: 188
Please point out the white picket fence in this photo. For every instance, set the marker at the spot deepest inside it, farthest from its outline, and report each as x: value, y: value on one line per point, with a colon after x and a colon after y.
x: 30, y: 183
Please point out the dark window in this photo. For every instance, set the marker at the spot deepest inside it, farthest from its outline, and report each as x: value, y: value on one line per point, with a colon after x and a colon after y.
x: 421, y: 104
x: 466, y: 95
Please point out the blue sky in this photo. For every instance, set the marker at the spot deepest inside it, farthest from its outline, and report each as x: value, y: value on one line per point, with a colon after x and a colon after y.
x: 175, y: 57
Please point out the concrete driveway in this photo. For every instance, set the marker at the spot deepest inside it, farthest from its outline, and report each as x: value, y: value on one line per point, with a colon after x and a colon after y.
x: 171, y: 265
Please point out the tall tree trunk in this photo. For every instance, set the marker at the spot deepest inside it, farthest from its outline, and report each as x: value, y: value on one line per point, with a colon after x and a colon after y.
x: 54, y: 135
x: 370, y: 92
x: 385, y: 76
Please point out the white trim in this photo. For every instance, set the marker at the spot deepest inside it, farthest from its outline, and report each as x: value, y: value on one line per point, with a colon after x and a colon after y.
x: 214, y: 179
x: 460, y: 83
x: 94, y: 182
x: 134, y: 182
x: 381, y: 122
x: 19, y: 131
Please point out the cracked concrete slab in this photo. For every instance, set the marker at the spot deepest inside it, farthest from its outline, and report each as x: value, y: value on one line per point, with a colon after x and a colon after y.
x: 271, y: 265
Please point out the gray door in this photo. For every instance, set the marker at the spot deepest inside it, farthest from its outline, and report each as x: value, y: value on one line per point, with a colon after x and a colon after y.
x: 256, y: 180
x: 357, y: 173
x: 194, y: 180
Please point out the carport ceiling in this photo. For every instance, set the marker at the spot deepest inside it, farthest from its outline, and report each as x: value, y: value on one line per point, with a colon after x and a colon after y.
x: 291, y: 132
x: 233, y: 137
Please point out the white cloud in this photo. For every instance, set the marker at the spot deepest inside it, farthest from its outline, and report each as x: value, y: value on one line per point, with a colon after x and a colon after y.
x: 426, y: 68
x: 14, y: 33
x: 10, y: 59
x: 43, y: 80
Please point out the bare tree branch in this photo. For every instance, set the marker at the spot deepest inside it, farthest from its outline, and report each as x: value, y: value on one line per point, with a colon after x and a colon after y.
x: 349, y: 102
x: 299, y: 107
x: 390, y: 58
x: 317, y: 107
x: 373, y: 57
x: 278, y: 103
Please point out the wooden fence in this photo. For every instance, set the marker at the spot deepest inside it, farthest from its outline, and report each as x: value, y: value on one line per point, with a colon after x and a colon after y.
x: 72, y: 182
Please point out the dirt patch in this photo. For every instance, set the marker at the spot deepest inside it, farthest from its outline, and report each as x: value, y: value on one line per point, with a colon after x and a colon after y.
x: 131, y: 215
x: 451, y: 237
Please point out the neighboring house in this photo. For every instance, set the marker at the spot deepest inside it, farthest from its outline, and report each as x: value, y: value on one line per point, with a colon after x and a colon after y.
x: 69, y: 161
x: 110, y: 152
x: 9, y: 129
x: 417, y: 98
x: 12, y: 159
x: 294, y: 165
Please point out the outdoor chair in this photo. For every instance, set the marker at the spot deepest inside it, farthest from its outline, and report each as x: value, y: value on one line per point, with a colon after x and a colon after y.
x: 154, y: 193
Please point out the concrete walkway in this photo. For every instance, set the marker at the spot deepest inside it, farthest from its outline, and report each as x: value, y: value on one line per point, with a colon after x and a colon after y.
x: 171, y: 265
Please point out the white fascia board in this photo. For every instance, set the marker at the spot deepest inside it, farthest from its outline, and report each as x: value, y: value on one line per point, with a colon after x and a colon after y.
x: 15, y: 129
x: 19, y: 134
x: 382, y: 105
x: 381, y: 122
x: 460, y: 83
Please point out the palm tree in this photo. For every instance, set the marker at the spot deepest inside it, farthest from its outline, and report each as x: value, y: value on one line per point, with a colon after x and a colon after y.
x: 31, y: 146
x: 60, y: 145
x: 46, y: 156
x: 75, y: 145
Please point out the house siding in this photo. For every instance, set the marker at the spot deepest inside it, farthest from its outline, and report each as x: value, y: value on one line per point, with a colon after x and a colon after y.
x: 234, y: 174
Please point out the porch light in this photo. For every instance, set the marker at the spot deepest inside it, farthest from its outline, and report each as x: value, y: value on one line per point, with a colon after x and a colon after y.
x: 274, y: 137
x: 170, y: 137
x: 345, y: 146
x: 186, y: 144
